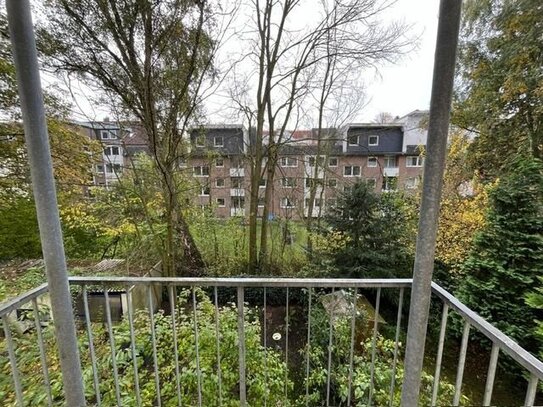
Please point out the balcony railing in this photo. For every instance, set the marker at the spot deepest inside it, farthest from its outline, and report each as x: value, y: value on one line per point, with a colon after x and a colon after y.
x: 205, y: 363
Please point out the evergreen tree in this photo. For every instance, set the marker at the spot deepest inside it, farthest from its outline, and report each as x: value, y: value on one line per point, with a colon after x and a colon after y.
x: 378, y: 230
x: 508, y: 253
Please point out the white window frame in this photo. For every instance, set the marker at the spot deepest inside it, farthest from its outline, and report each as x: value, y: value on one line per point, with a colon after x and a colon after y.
x: 203, y: 192
x: 330, y: 163
x: 330, y: 183
x: 355, y: 143
x: 285, y: 184
x: 390, y: 157
x: 104, y: 132
x: 262, y: 183
x: 223, y: 204
x: 221, y: 144
x: 201, y: 171
x: 289, y: 162
x: 370, y: 144
x: 370, y: 162
x: 288, y: 204
x: 418, y: 158
x: 415, y: 182
x: 200, y: 141
x: 221, y: 160
x: 217, y: 183
x: 352, y: 174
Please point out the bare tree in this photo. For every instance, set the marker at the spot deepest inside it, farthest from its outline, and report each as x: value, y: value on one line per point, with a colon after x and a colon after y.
x: 151, y: 59
x: 383, y: 118
x: 288, y: 62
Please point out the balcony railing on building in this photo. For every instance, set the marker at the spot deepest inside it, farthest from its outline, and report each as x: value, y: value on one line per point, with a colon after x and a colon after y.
x: 252, y: 341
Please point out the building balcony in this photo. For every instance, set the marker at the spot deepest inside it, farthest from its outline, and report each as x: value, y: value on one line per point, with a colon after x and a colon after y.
x: 237, y: 172
x: 237, y: 341
x: 237, y: 192
x: 391, y: 171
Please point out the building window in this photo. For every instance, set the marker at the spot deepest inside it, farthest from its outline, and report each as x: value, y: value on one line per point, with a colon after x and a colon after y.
x: 288, y: 182
x: 390, y: 162
x: 372, y: 182
x: 201, y: 171
x: 113, y: 168
x: 112, y: 150
x: 108, y: 135
x: 221, y: 203
x: 414, y: 161
x: 332, y: 183
x: 372, y: 161
x: 100, y: 168
x: 261, y: 202
x: 237, y: 182
x: 373, y: 140
x: 347, y: 189
x: 288, y: 202
x: 313, y: 182
x: 351, y: 171
x: 352, y: 140
x: 262, y: 183
x: 204, y: 191
x: 332, y: 162
x: 289, y: 162
x: 236, y: 162
x: 200, y: 141
x: 390, y: 183
x: 219, y: 182
x: 316, y: 203
x: 218, y: 141
x: 411, y: 183
x: 219, y: 162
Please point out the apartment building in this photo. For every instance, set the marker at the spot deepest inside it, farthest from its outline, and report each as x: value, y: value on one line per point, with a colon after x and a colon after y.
x: 387, y: 156
x: 120, y: 142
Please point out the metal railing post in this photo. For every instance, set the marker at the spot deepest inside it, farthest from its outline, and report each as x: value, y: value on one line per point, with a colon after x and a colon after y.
x: 43, y: 184
x: 440, y: 106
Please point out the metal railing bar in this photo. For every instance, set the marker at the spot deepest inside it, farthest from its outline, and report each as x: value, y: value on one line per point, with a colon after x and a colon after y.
x: 396, y: 346
x: 197, y: 347
x: 41, y: 345
x: 330, y: 342
x: 308, y: 347
x: 439, y: 358
x: 153, y: 340
x: 461, y: 364
x: 531, y: 391
x: 489, y: 386
x: 351, y: 350
x: 265, y: 350
x: 13, y: 362
x: 374, y: 344
x: 506, y: 344
x: 218, y: 343
x: 241, y: 340
x: 91, y: 346
x: 133, y: 344
x: 113, y: 349
x: 249, y: 282
x: 286, y: 348
x: 11, y: 305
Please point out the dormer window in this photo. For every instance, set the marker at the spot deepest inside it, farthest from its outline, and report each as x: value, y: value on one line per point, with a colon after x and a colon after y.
x: 352, y: 140
x: 200, y: 141
x: 373, y: 141
x: 108, y: 135
x: 218, y: 141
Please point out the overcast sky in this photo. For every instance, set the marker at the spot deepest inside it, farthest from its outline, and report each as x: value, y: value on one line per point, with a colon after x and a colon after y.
x: 407, y: 85
x: 398, y: 89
